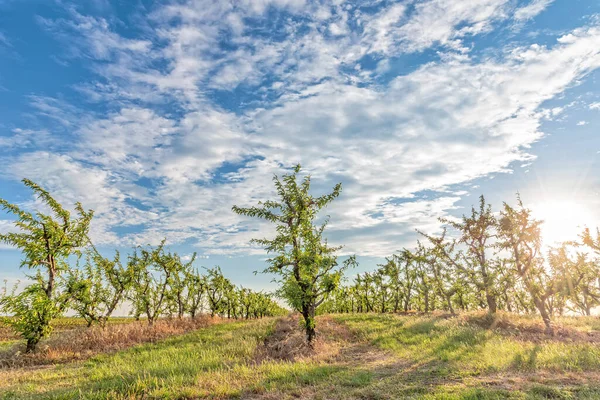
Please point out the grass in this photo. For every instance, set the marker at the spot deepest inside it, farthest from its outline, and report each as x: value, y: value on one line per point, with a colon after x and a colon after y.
x: 59, y: 325
x: 78, y: 342
x: 450, y: 356
x: 155, y: 370
x: 367, y: 356
x: 458, y: 350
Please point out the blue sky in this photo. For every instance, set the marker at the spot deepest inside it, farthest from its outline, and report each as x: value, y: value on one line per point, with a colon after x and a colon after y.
x: 162, y: 115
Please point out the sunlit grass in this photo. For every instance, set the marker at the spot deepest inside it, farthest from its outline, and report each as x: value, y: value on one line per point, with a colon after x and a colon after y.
x: 147, y: 370
x: 452, y: 349
x: 420, y: 358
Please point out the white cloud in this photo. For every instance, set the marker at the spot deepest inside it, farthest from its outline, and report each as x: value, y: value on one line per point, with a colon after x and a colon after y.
x: 582, y: 123
x: 177, y: 173
x: 128, y: 141
x: 71, y: 181
x: 595, y: 106
x: 94, y: 36
x: 531, y: 10
x: 4, y: 40
x: 21, y: 138
x: 444, y: 124
x: 434, y: 22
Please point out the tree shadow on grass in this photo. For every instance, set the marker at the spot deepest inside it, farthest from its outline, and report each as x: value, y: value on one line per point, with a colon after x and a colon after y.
x: 526, y: 360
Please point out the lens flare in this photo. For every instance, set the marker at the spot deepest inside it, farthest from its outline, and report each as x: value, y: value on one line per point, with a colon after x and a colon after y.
x: 563, y: 220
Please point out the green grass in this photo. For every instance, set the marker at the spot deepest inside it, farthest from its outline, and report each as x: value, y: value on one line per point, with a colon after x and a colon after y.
x: 457, y: 350
x: 59, y: 325
x: 213, y: 362
x: 147, y: 370
x: 443, y: 351
x: 392, y: 357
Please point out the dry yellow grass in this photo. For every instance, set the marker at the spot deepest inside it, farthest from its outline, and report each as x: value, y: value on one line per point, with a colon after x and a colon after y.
x: 81, y: 342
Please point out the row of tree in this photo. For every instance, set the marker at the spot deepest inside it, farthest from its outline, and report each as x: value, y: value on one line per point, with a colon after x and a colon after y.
x: 482, y: 261
x: 488, y: 261
x: 154, y: 282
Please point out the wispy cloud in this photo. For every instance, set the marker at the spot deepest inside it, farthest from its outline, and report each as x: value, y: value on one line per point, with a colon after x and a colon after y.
x: 531, y: 10
x: 200, y: 111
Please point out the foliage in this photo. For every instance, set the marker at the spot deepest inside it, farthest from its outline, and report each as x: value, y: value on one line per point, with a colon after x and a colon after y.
x: 378, y: 357
x: 156, y: 282
x: 99, y: 289
x: 178, y: 298
x: 493, y: 262
x: 217, y: 289
x: 307, y: 265
x: 195, y: 290
x: 519, y: 234
x: 32, y: 312
x: 46, y: 240
x: 474, y: 262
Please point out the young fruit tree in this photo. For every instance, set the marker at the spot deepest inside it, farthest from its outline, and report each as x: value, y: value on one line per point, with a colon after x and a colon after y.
x: 46, y: 240
x: 217, y: 290
x: 153, y: 269
x: 195, y: 292
x: 476, y: 234
x: 178, y: 296
x: 307, y: 265
x: 519, y: 235
x: 99, y: 288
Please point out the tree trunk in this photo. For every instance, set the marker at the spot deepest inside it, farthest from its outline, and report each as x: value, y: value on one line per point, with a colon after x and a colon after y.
x: 508, y: 303
x: 31, y: 345
x: 449, y: 301
x: 491, y: 301
x: 545, y: 316
x: 308, y: 313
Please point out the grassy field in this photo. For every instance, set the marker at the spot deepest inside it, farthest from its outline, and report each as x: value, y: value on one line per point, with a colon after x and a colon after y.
x: 58, y: 325
x: 9, y: 338
x: 357, y: 357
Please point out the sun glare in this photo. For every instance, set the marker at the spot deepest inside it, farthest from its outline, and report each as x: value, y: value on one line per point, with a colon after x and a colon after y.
x: 563, y: 220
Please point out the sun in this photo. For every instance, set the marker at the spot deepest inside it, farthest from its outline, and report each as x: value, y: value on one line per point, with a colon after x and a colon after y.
x: 563, y: 220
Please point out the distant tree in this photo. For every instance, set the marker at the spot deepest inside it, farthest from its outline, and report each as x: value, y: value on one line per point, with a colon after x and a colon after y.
x: 446, y: 282
x: 424, y: 279
x: 196, y: 287
x: 307, y: 265
x: 153, y: 271
x: 247, y: 302
x: 99, y: 288
x: 592, y: 241
x: 391, y: 271
x: 408, y: 277
x: 217, y: 290
x: 519, y: 234
x: 477, y: 232
x: 363, y: 286
x: 232, y: 301
x: 177, y: 295
x: 578, y: 279
x: 382, y: 285
x: 46, y: 240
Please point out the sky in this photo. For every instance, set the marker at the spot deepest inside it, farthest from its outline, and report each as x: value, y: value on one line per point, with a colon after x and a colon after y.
x: 160, y: 116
